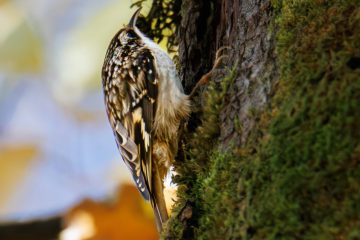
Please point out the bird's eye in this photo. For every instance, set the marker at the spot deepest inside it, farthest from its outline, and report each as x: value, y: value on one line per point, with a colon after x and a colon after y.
x: 131, y: 34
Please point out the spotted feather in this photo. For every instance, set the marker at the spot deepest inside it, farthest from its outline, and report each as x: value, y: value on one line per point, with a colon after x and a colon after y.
x: 130, y: 86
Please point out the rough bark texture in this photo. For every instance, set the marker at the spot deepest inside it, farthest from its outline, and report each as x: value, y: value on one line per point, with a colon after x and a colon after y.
x: 272, y: 150
x: 244, y: 27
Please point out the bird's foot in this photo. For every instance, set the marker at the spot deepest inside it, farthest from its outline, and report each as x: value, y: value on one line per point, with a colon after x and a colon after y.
x: 219, y: 56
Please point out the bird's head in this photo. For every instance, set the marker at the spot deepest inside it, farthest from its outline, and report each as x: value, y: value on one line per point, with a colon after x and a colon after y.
x: 130, y: 33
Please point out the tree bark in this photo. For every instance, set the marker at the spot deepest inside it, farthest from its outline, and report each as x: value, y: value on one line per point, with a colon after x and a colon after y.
x: 283, y: 159
x: 243, y: 26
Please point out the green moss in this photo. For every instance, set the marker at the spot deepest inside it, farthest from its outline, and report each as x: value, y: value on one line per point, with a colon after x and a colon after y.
x: 298, y: 176
x: 201, y: 143
x: 308, y: 179
x: 200, y: 146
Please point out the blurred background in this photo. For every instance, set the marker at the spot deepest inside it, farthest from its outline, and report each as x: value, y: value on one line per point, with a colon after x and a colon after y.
x: 60, y: 172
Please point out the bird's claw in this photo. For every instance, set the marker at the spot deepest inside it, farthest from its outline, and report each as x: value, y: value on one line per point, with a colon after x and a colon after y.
x: 205, y: 78
x: 218, y: 53
x: 219, y: 57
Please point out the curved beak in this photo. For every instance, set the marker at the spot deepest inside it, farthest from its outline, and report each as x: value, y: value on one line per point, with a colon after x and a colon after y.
x: 133, y: 19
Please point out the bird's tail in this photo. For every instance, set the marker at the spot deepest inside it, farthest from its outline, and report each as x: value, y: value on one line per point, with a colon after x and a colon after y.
x: 155, y: 185
x: 158, y: 201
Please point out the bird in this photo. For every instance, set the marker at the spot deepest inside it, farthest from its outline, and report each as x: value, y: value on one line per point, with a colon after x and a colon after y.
x: 145, y: 104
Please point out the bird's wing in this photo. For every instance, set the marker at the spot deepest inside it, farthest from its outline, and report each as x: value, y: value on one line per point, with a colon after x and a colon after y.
x: 131, y: 105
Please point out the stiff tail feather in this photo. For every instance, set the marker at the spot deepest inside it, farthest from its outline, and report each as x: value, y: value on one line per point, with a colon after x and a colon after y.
x: 158, y: 201
x: 155, y: 185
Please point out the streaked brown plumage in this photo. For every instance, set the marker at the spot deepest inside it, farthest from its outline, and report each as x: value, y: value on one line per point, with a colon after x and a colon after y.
x: 145, y: 104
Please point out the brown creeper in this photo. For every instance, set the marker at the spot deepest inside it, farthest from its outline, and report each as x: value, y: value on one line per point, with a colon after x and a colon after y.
x: 145, y: 104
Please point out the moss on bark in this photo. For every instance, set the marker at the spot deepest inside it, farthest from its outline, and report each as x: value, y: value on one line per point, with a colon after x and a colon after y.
x: 297, y: 176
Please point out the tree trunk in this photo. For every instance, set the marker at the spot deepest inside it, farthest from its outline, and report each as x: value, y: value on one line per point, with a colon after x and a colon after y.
x: 244, y: 27
x: 272, y: 150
